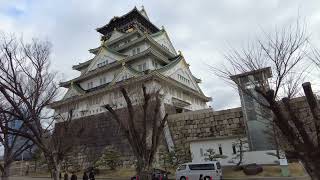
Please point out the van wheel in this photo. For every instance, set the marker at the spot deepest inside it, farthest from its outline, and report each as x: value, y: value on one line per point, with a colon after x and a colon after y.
x: 183, y: 178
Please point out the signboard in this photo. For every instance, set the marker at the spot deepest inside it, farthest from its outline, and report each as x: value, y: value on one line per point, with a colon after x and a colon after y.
x: 283, y: 162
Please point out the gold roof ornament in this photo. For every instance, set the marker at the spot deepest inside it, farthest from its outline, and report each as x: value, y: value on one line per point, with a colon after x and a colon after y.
x: 129, y: 30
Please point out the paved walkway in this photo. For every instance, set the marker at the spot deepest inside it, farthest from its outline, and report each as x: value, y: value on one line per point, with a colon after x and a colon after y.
x: 43, y: 178
x: 27, y: 178
x: 261, y: 178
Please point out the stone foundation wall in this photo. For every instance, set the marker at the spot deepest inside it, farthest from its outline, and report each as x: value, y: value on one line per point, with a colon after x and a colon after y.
x: 100, y: 131
x: 193, y: 125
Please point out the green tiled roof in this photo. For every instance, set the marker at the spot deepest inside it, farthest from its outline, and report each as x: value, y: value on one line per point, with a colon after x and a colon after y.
x: 176, y: 60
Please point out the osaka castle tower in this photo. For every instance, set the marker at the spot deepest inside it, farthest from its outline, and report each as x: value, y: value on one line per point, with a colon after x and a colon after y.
x: 133, y: 51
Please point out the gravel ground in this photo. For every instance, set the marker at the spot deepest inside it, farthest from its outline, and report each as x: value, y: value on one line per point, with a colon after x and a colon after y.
x: 27, y: 178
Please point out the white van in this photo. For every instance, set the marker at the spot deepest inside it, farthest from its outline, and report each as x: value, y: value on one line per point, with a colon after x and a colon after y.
x: 210, y: 170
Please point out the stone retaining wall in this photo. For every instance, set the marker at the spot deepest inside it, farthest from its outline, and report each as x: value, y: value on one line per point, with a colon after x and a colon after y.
x: 193, y: 125
x: 101, y: 131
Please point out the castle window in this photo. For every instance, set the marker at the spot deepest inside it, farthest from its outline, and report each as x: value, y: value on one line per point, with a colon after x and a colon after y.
x: 135, y: 50
x: 125, y: 76
x: 142, y: 67
x: 155, y: 64
x: 201, y: 152
x: 90, y: 85
x: 103, y: 63
x: 102, y: 80
x: 179, y: 94
x: 234, y: 150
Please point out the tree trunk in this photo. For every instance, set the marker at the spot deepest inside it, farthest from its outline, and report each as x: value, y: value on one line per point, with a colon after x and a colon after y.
x: 6, y: 171
x: 35, y: 166
x: 312, y: 166
x: 56, y: 171
x: 143, y: 170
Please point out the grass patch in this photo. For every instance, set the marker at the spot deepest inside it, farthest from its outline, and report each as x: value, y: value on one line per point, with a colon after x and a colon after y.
x: 123, y: 172
x: 295, y: 169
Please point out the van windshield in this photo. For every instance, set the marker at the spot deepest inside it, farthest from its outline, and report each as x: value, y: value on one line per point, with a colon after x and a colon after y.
x: 201, y: 167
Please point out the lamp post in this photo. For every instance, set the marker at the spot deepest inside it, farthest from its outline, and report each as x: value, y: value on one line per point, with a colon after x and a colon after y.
x: 21, y: 164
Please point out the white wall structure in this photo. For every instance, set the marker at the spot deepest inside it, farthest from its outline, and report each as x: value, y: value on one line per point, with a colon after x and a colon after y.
x: 198, y: 149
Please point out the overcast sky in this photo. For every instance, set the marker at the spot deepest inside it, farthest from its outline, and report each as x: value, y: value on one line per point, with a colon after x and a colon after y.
x: 202, y: 30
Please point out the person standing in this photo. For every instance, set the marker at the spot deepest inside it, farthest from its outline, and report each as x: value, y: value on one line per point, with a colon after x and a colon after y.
x: 85, y: 176
x: 73, y: 176
x: 91, y: 176
x: 65, y: 177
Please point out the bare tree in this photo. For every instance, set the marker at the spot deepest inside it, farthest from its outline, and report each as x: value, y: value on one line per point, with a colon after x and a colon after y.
x: 284, y: 52
x: 315, y: 57
x: 240, y: 147
x: 211, y: 155
x: 62, y: 143
x: 143, y: 149
x: 28, y: 87
x: 13, y: 145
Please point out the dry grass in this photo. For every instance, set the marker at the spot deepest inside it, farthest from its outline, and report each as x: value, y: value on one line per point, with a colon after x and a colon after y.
x: 123, y: 172
x: 295, y: 169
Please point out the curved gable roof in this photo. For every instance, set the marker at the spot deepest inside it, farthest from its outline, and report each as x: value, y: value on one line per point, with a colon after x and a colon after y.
x: 131, y: 15
x: 179, y: 59
x: 163, y: 39
x: 117, y: 56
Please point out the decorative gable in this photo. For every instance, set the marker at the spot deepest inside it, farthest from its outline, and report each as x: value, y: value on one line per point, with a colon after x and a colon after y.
x: 125, y: 73
x: 74, y: 90
x: 179, y: 70
x: 162, y: 38
x: 144, y: 13
x: 104, y: 57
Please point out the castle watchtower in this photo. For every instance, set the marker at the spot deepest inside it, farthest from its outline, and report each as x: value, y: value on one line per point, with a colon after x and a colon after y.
x: 258, y: 119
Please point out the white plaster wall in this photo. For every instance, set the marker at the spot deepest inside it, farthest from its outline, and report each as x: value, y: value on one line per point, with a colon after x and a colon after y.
x: 259, y: 157
x: 226, y: 144
x: 196, y: 103
x: 124, y: 41
x: 96, y: 80
x: 159, y: 65
x: 142, y: 45
x: 146, y: 60
x: 92, y: 105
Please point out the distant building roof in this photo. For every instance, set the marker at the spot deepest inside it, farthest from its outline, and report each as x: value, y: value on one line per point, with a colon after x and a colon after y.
x: 267, y: 71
